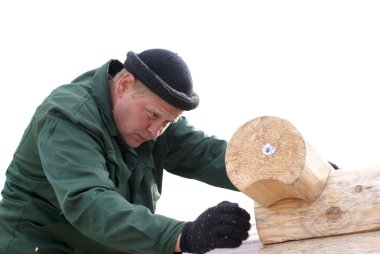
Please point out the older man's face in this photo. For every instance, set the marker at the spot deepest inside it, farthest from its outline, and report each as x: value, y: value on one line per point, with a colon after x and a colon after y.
x: 142, y: 118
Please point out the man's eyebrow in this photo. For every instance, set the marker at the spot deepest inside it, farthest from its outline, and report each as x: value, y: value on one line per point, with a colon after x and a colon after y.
x: 160, y: 113
x: 155, y: 110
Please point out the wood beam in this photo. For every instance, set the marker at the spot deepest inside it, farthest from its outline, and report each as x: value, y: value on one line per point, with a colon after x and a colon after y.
x: 349, y: 203
x: 354, y: 243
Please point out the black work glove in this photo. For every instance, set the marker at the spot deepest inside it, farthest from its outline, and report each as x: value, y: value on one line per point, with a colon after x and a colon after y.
x: 225, y: 225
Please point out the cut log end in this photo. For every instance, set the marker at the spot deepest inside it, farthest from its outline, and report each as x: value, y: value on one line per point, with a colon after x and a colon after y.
x: 268, y: 160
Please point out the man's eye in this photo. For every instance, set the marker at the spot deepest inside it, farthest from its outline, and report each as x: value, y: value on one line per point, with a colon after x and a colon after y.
x: 152, y: 115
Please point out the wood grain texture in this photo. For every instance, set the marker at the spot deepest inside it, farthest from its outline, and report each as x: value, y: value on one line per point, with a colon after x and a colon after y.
x: 359, y: 243
x: 349, y: 203
x: 268, y: 159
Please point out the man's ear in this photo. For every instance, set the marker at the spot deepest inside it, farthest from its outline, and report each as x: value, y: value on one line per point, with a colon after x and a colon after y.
x: 125, y: 83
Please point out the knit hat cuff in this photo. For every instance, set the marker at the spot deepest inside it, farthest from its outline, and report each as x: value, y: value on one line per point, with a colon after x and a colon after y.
x: 157, y: 85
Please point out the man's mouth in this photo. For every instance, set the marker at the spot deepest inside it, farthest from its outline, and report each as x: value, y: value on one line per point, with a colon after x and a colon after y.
x: 141, y: 138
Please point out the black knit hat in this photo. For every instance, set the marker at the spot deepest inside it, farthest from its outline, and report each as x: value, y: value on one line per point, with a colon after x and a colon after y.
x: 165, y: 74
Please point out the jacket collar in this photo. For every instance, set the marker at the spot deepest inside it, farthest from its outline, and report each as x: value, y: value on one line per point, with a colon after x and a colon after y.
x: 101, y: 95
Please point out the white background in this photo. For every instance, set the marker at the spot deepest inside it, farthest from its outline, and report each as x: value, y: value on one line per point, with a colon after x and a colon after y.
x: 314, y: 63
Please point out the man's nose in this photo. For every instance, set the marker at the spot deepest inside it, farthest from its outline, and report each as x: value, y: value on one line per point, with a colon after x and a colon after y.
x: 155, y: 129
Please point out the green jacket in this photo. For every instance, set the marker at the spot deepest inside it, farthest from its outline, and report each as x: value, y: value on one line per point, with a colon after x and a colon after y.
x: 73, y: 186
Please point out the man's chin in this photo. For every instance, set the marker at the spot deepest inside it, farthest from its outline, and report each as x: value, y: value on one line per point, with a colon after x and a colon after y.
x: 135, y: 143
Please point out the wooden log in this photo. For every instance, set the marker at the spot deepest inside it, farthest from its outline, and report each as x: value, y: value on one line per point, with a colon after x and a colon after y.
x: 269, y: 160
x: 349, y: 203
x: 354, y: 243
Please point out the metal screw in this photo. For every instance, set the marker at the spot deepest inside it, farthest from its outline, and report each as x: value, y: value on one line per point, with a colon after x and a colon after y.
x: 268, y: 149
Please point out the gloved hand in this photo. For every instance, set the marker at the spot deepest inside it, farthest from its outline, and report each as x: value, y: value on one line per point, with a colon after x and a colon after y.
x: 225, y: 225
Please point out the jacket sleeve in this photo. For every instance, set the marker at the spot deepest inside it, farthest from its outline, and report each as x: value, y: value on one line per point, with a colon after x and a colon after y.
x: 196, y: 155
x: 73, y: 161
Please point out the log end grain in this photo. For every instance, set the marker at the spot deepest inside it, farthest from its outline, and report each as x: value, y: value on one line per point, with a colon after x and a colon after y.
x: 268, y: 159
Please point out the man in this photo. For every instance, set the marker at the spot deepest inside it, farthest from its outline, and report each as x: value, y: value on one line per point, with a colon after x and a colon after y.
x: 87, y: 173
